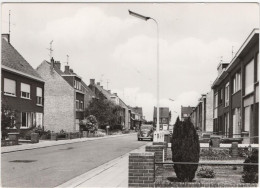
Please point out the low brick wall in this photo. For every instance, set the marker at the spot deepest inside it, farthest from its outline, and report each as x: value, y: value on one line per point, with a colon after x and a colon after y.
x: 158, y: 151
x: 141, y: 169
x: 165, y: 144
x: 191, y: 184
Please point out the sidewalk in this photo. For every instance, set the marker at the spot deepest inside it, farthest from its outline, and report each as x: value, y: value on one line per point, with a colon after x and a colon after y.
x: 49, y: 143
x: 111, y: 174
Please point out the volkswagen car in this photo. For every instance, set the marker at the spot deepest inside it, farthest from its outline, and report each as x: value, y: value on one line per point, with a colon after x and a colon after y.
x: 145, y: 132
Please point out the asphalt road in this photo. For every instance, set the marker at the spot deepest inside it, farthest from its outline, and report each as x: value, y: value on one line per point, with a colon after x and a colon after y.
x: 52, y: 166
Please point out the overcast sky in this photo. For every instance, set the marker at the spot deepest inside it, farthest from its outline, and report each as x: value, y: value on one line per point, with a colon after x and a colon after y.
x: 105, y: 43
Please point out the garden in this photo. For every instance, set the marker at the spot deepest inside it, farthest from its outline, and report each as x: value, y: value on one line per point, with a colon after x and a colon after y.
x: 224, y: 170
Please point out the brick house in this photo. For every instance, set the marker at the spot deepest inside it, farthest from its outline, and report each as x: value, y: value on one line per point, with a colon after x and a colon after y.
x: 236, y: 93
x: 22, y: 87
x: 99, y: 92
x: 137, y: 118
x: 186, y: 112
x: 164, y: 117
x: 66, y: 96
x: 202, y: 114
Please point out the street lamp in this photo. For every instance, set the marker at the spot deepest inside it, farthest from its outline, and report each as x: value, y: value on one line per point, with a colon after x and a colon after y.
x: 158, y: 109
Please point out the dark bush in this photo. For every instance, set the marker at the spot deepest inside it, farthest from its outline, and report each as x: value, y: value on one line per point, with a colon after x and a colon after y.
x: 250, y: 172
x: 185, y: 148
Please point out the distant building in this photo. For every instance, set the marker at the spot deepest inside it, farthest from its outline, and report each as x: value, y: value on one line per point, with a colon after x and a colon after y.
x: 164, y: 117
x: 202, y: 114
x: 100, y: 92
x: 137, y: 117
x: 186, y: 112
x: 66, y: 96
x: 236, y: 93
x: 22, y: 87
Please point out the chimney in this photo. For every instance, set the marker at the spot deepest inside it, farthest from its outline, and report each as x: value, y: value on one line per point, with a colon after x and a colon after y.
x: 115, y: 94
x: 101, y: 87
x: 71, y: 70
x: 92, y: 81
x: 52, y: 63
x: 98, y: 83
x: 6, y: 36
x: 67, y: 69
x: 57, y: 64
x: 109, y: 91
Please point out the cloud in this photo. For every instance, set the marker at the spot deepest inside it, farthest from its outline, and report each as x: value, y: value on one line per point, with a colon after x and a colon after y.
x: 89, y: 23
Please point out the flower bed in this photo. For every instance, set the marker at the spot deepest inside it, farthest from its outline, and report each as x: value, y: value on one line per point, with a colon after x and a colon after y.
x: 224, y: 176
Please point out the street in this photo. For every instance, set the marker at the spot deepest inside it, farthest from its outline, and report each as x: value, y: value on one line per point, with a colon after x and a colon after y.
x: 52, y: 166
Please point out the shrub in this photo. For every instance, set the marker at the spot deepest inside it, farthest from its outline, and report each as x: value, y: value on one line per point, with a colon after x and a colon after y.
x: 206, y: 172
x: 89, y: 124
x: 250, y: 173
x: 185, y: 148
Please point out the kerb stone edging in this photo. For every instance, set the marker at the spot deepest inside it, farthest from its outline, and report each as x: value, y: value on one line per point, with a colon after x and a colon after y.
x: 16, y: 148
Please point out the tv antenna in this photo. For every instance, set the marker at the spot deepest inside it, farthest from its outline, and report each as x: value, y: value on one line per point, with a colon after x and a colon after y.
x: 50, y: 49
x: 107, y: 84
x: 67, y: 59
x: 232, y: 51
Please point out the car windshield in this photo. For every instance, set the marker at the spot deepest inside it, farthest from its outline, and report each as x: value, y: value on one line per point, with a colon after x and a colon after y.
x: 146, y: 127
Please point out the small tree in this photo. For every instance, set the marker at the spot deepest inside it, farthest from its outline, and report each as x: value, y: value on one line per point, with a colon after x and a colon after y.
x: 250, y: 173
x: 89, y: 124
x: 105, y: 111
x: 185, y: 148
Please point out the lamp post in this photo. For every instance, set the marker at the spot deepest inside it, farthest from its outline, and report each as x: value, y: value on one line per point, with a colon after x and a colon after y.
x: 157, y: 65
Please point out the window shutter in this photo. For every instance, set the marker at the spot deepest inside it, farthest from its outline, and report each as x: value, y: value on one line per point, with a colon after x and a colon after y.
x: 9, y: 86
x: 39, y: 92
x: 25, y: 88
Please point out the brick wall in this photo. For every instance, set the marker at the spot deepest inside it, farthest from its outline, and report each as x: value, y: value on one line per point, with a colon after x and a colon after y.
x: 59, y: 100
x: 165, y: 145
x: 141, y: 169
x: 158, y: 152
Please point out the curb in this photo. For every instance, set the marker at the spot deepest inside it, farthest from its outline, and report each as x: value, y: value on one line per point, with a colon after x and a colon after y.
x: 79, y: 180
x: 56, y: 143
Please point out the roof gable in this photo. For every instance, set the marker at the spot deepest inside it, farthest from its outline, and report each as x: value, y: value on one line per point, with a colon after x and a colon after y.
x: 11, y: 58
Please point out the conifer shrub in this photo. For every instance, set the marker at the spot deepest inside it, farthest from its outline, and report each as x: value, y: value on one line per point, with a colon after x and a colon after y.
x: 185, y: 148
x: 250, y: 173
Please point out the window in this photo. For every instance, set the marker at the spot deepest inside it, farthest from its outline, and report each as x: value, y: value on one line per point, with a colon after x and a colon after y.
x: 81, y: 105
x: 39, y: 96
x: 39, y: 119
x: 9, y: 87
x: 77, y: 104
x: 216, y: 100
x: 257, y: 67
x: 164, y: 120
x: 226, y: 117
x: 77, y: 84
x: 28, y: 119
x: 25, y: 91
x: 220, y: 96
x: 247, y: 119
x: 249, y: 77
x: 227, y: 94
x: 237, y: 82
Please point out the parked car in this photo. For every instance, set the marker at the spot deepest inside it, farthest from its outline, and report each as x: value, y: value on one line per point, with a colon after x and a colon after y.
x: 145, y: 132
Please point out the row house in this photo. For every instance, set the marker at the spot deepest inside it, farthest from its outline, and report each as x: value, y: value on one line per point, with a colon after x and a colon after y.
x: 236, y: 93
x: 66, y: 97
x: 137, y: 118
x: 186, y: 112
x: 164, y: 117
x: 202, y: 114
x: 22, y: 87
x: 100, y: 92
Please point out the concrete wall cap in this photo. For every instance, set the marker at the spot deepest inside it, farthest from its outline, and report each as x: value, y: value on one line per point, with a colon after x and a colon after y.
x: 142, y: 154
